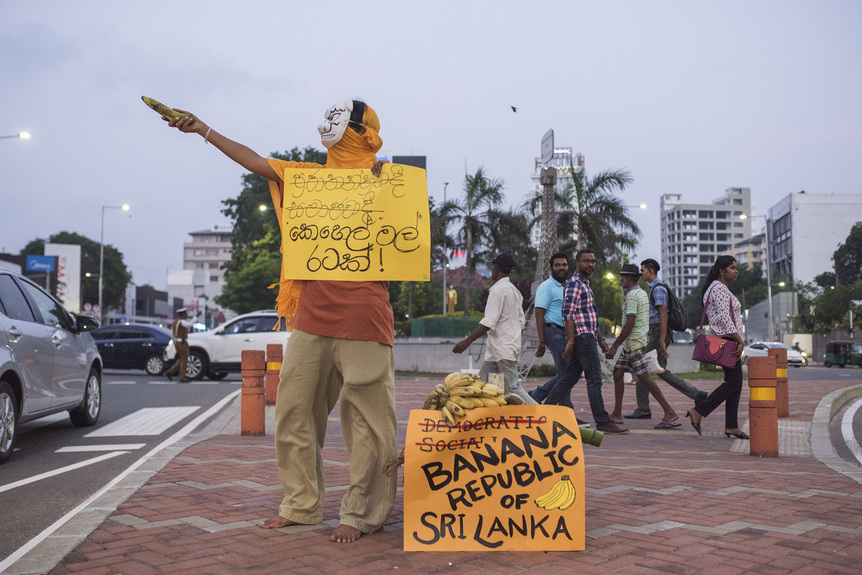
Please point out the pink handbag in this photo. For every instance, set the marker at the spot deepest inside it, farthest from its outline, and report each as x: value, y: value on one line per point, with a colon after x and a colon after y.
x: 711, y: 349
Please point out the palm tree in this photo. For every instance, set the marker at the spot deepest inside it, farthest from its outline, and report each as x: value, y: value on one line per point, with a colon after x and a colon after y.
x: 476, y: 212
x: 590, y: 214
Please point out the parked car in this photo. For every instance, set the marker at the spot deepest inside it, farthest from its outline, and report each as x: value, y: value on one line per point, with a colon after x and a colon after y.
x: 216, y: 353
x: 134, y: 346
x: 761, y: 349
x: 48, y: 360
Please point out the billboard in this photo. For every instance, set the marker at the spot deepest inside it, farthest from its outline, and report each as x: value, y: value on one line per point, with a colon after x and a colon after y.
x: 68, y: 274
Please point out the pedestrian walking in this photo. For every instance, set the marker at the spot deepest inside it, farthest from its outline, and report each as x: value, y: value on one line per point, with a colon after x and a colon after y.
x: 725, y: 321
x: 180, y: 334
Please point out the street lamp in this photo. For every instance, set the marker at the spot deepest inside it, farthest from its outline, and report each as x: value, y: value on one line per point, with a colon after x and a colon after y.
x: 21, y: 135
x: 125, y: 208
x: 768, y: 272
x: 446, y: 261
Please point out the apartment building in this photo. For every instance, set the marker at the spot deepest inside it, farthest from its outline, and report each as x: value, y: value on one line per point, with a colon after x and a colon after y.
x: 693, y: 235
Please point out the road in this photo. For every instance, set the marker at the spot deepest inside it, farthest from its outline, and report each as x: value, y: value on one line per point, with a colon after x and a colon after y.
x: 56, y: 466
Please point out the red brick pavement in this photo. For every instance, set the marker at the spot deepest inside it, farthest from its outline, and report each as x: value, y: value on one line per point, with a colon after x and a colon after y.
x: 657, y: 502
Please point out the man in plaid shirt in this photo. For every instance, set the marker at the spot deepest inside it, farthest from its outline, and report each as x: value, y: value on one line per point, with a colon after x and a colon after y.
x: 582, y: 332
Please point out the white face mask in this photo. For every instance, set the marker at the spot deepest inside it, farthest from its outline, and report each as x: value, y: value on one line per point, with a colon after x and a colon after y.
x: 335, y: 123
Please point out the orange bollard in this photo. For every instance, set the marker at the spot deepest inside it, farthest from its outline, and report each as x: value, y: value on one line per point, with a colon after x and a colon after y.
x: 274, y: 355
x: 762, y: 407
x: 252, y: 409
x: 781, y: 395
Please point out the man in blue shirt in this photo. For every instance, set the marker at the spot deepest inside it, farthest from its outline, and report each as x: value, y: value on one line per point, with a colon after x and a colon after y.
x: 549, y: 325
x: 659, y: 337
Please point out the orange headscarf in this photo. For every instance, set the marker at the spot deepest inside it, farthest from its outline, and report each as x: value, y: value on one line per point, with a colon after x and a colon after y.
x: 351, y: 152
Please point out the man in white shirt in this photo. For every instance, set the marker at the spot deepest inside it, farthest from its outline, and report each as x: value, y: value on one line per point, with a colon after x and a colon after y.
x: 503, y: 322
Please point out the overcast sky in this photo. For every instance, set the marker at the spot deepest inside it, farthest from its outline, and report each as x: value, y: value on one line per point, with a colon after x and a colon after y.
x: 691, y: 97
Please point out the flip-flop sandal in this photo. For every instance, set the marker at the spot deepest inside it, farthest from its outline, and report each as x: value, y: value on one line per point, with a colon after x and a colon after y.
x: 667, y: 425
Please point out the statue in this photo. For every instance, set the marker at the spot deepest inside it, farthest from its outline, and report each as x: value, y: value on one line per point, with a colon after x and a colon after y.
x: 451, y: 299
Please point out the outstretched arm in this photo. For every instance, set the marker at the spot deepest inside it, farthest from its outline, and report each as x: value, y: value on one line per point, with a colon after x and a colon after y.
x: 242, y: 155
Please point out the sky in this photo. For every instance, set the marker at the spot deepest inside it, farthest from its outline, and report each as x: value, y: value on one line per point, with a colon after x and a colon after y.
x: 691, y: 97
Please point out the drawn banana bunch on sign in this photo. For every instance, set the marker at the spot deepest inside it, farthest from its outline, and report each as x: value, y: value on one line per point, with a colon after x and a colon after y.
x: 561, y: 496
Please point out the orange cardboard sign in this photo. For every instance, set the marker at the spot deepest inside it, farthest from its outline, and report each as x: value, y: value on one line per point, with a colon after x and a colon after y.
x: 506, y: 478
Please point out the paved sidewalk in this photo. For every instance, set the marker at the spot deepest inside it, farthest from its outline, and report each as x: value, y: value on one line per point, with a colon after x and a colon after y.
x: 657, y: 502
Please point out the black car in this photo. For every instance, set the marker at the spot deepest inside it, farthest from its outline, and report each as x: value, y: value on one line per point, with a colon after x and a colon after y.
x: 136, y: 346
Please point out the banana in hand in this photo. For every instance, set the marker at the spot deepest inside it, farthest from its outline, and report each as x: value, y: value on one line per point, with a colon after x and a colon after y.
x: 167, y: 113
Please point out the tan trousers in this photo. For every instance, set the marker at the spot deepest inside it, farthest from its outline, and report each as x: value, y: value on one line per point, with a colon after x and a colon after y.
x: 315, y: 370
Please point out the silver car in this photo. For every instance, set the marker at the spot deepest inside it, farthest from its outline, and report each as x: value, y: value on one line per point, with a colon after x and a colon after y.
x: 48, y: 360
x: 761, y: 349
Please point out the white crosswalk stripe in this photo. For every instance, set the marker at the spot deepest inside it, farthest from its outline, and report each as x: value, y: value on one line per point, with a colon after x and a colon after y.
x: 146, y: 421
x: 105, y: 447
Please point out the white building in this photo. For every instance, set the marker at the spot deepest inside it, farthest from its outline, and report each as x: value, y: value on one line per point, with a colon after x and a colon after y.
x: 202, y: 276
x: 752, y: 252
x: 806, y: 229
x: 694, y: 235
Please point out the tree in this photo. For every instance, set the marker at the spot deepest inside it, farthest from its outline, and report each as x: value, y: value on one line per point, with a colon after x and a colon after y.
x: 848, y: 257
x: 255, y: 262
x: 116, y: 276
x: 510, y: 233
x: 599, y: 218
x: 476, y: 213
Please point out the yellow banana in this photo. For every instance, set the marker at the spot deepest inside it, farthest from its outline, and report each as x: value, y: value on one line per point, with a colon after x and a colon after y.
x: 452, y: 377
x: 465, y: 391
x: 463, y: 402
x: 166, y: 112
x: 561, y: 496
x: 455, y: 409
x: 477, y: 402
x: 493, y: 388
x: 447, y: 415
x: 489, y: 402
x: 499, y: 399
x: 485, y: 392
x: 460, y: 382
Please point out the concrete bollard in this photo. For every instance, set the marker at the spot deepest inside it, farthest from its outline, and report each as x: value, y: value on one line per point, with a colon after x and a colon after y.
x: 252, y: 408
x: 762, y: 407
x: 274, y: 355
x: 781, y: 394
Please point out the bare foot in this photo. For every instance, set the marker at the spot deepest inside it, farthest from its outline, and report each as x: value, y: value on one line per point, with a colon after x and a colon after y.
x: 277, y: 523
x: 345, y: 534
x: 616, y: 418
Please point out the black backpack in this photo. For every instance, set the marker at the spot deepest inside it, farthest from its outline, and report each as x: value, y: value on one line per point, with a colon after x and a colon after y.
x: 677, y: 318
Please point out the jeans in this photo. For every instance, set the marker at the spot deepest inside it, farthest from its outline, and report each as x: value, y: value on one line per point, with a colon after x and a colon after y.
x: 555, y: 341
x: 584, y: 360
x: 674, y: 381
x: 509, y: 369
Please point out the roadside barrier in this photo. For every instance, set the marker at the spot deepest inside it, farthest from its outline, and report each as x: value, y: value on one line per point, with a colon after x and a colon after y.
x: 781, y: 394
x: 252, y: 408
x: 762, y: 407
x: 274, y: 355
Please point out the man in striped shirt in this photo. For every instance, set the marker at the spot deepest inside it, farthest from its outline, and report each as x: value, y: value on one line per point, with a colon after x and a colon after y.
x: 582, y: 333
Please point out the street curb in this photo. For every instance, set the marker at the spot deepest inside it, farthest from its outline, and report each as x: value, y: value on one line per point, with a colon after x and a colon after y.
x: 821, y: 442
x: 49, y: 553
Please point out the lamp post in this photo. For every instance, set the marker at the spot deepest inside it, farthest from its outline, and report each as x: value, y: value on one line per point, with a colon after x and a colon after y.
x: 125, y: 208
x: 768, y: 273
x: 446, y: 256
x: 20, y: 135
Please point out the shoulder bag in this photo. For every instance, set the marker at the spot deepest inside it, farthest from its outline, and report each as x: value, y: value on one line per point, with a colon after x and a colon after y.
x: 714, y: 350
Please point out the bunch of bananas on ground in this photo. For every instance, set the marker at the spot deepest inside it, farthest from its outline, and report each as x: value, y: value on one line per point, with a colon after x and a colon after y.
x: 561, y: 496
x: 461, y: 392
x: 167, y: 113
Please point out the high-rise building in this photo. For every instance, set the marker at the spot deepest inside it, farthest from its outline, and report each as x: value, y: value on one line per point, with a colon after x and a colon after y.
x: 694, y: 235
x: 806, y: 229
x: 202, y: 276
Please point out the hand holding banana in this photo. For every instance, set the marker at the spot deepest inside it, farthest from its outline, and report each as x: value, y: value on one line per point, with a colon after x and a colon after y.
x: 180, y: 119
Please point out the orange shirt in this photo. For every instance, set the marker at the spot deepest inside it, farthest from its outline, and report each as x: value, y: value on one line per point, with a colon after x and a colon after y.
x: 342, y: 309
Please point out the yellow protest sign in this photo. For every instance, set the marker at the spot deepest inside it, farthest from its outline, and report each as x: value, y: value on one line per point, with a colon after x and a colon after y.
x: 350, y: 225
x: 505, y: 479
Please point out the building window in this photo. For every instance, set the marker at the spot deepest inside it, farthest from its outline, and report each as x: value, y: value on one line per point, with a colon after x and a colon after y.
x: 707, y: 247
x: 707, y: 237
x: 213, y: 265
x: 705, y: 214
x: 213, y: 279
x: 707, y: 225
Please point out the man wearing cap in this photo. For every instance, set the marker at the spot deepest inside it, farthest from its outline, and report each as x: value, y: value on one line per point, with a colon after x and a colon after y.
x: 633, y: 340
x: 503, y: 322
x: 659, y: 338
x: 581, y: 321
x: 340, y: 349
x: 180, y: 333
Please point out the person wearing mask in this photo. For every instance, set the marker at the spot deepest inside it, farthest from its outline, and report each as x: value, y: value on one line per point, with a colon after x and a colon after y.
x: 340, y: 348
x: 725, y: 321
